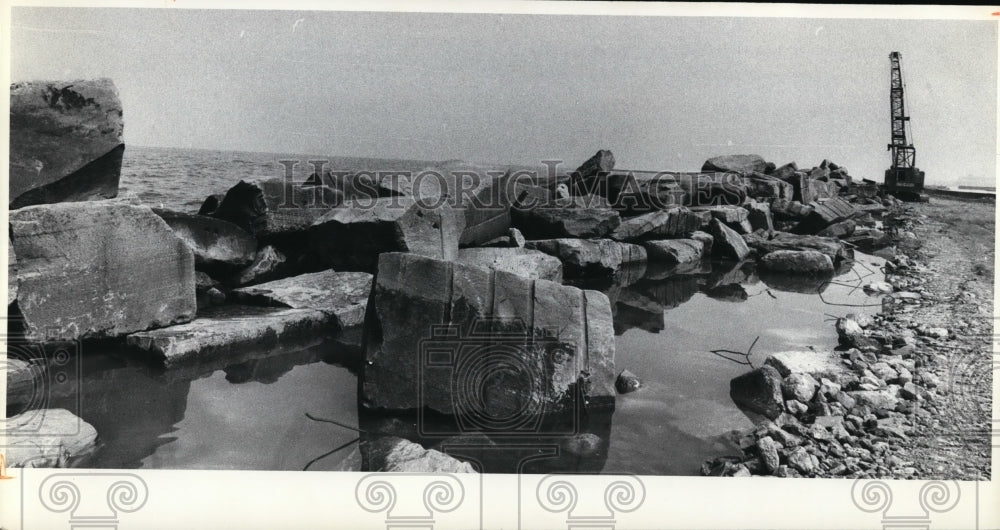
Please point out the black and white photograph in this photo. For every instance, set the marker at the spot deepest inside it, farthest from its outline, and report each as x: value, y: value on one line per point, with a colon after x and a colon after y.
x: 447, y: 244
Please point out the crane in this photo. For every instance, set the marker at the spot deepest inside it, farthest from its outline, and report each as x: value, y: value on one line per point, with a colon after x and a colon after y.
x: 902, y: 178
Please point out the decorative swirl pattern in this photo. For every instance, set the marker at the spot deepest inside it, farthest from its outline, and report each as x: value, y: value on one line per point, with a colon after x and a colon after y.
x: 935, y: 496
x: 441, y: 496
x: 60, y: 496
x: 379, y: 495
x: 127, y: 496
x: 560, y: 495
x: 625, y: 494
x: 873, y: 496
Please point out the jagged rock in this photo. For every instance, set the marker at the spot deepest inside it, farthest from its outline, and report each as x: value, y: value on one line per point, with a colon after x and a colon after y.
x: 268, y: 263
x: 352, y: 235
x: 785, y: 171
x: 799, y: 386
x: 706, y: 240
x: 47, y: 438
x: 759, y: 216
x: 274, y: 209
x: 838, y: 230
x: 11, y: 273
x: 221, y: 332
x: 524, y: 262
x: 513, y: 239
x: 835, y: 249
x: 745, y: 164
x: 645, y: 191
x: 851, y: 335
x: 343, y: 295
x: 99, y: 269
x: 797, y: 262
x: 712, y: 189
x: 674, y: 250
x: 791, y: 210
x: 764, y: 186
x: 627, y: 382
x: 586, y: 178
x: 759, y: 391
x: 669, y: 223
x: 398, y: 455
x: 428, y: 320
x: 874, y: 399
x: 211, y: 204
x: 585, y: 257
x: 545, y: 223
x: 216, y: 244
x: 727, y: 243
x: 65, y: 141
x: 735, y: 217
x: 801, y: 460
x: 816, y: 364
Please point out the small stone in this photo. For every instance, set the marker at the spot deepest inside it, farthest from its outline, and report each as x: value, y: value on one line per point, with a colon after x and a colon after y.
x: 801, y: 460
x: 796, y: 407
x: 768, y: 450
x: 627, y: 382
x: 799, y: 386
x: 909, y: 391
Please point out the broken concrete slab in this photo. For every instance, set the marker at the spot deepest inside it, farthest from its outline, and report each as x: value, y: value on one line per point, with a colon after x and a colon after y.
x: 735, y: 217
x: 226, y: 331
x: 744, y: 164
x: 727, y: 243
x: 99, y: 269
x: 759, y: 216
x: 828, y: 212
x: 351, y: 236
x: 584, y: 257
x: 835, y: 249
x: 556, y: 222
x: 343, y: 295
x: 47, y: 438
x: 674, y: 251
x: 523, y: 262
x: 555, y: 343
x: 65, y: 141
x: 667, y: 223
x: 216, y: 244
x: 797, y: 262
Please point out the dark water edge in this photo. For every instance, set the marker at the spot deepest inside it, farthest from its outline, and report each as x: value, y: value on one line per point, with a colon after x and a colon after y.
x: 250, y: 412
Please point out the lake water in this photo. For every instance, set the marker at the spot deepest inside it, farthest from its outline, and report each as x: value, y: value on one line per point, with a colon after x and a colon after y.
x: 250, y: 413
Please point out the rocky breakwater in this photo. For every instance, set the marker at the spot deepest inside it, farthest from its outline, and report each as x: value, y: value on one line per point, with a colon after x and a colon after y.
x: 65, y: 141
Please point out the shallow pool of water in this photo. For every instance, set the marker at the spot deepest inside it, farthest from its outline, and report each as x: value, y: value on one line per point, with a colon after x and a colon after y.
x: 250, y: 413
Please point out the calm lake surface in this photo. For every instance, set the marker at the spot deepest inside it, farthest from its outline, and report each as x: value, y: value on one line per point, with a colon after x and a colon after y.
x: 250, y: 413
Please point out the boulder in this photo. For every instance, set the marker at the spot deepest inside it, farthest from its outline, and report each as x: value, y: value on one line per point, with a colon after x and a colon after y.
x: 99, y: 269
x: 744, y: 164
x: 759, y: 217
x: 802, y: 187
x: 786, y: 171
x: 706, y: 240
x: 627, y: 382
x: 727, y: 243
x: 674, y: 251
x: 838, y: 230
x: 828, y: 212
x: 520, y: 347
x: 343, y: 295
x: 644, y: 191
x: 545, y: 223
x: 527, y: 263
x: 874, y: 399
x: 211, y: 204
x: 47, y: 438
x: 797, y: 262
x: 352, y: 236
x: 668, y: 223
x: 835, y: 249
x: 588, y: 177
x: 275, y: 208
x: 230, y: 331
x: 759, y: 391
x: 713, y: 189
x: 799, y: 386
x: 398, y: 455
x: 791, y: 210
x: 851, y: 334
x: 767, y: 448
x: 216, y: 244
x: 764, y: 186
x: 268, y: 263
x: 586, y: 257
x: 735, y: 217
x: 11, y: 273
x: 65, y: 141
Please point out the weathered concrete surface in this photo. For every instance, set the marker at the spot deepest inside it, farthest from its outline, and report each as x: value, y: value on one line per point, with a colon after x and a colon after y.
x: 556, y: 222
x: 65, y: 141
x: 344, y: 295
x: 99, y: 269
x: 353, y: 235
x: 231, y: 330
x: 737, y: 163
x: 47, y: 438
x: 273, y: 209
x: 545, y: 344
x: 215, y: 243
x: 668, y: 223
x: 398, y: 455
x: 532, y: 264
x: 584, y: 257
x: 727, y: 243
x: 797, y: 262
x: 674, y: 250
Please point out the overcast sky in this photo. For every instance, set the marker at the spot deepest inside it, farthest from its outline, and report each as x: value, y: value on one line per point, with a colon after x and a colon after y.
x: 661, y: 93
